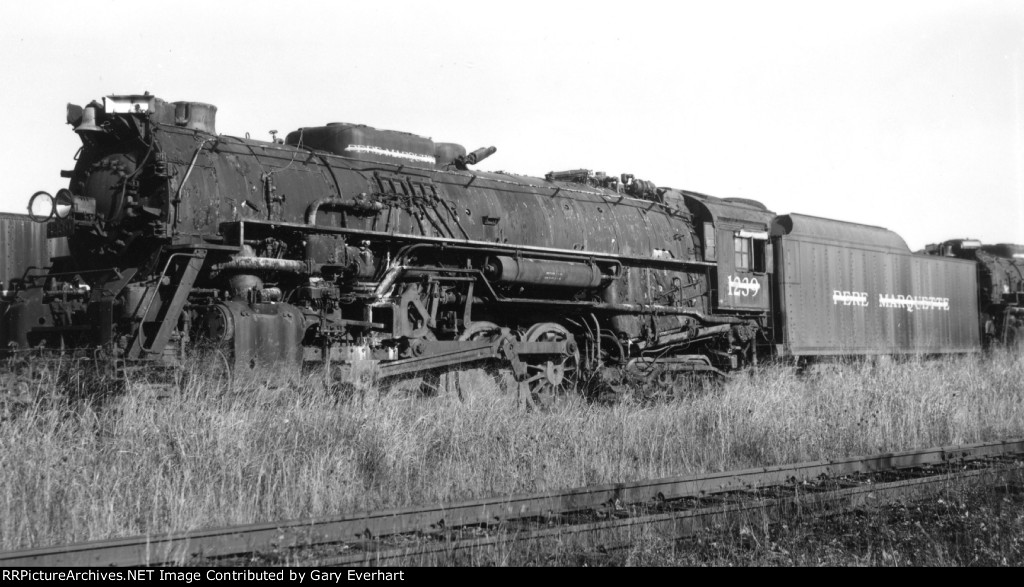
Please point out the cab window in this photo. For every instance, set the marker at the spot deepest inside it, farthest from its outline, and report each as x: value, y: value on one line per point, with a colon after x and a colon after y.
x: 709, y: 241
x: 759, y: 257
x: 750, y: 253
x: 741, y: 245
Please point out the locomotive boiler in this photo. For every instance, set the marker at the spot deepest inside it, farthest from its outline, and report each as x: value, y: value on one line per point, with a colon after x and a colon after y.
x: 382, y: 253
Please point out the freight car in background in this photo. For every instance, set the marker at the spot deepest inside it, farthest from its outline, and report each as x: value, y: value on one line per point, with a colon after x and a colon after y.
x: 1000, y: 274
x: 23, y: 244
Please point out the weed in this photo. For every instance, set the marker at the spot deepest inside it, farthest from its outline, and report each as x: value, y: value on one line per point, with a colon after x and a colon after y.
x: 272, y: 444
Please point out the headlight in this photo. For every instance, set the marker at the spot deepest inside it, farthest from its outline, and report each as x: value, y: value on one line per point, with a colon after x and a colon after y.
x: 40, y: 207
x: 63, y: 204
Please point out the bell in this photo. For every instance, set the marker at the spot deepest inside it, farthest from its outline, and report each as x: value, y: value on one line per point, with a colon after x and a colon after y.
x: 88, y: 121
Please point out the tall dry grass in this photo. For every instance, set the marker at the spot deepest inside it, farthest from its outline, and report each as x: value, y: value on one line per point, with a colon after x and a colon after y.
x: 273, y: 445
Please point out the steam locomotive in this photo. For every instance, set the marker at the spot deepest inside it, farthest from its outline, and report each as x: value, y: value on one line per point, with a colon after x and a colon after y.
x: 380, y: 254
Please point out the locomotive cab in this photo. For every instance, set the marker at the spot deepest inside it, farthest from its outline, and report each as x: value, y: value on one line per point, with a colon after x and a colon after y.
x: 734, y: 234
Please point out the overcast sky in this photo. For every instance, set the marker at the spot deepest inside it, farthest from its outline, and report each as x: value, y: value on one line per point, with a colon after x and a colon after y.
x: 903, y: 114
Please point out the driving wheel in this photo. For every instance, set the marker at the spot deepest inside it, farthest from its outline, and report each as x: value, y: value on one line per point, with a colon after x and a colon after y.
x: 550, y: 377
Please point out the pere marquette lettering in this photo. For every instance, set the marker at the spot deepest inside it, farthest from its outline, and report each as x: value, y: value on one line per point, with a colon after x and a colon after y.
x: 196, y: 576
x: 908, y: 302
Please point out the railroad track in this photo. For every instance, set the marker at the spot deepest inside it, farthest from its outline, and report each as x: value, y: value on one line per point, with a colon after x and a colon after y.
x: 678, y: 505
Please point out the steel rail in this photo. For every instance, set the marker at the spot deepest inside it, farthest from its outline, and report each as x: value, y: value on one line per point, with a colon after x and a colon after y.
x: 188, y: 546
x: 684, y: 523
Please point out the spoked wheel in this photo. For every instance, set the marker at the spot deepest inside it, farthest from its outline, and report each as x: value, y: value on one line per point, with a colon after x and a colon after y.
x: 476, y: 381
x: 481, y: 331
x: 550, y: 378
